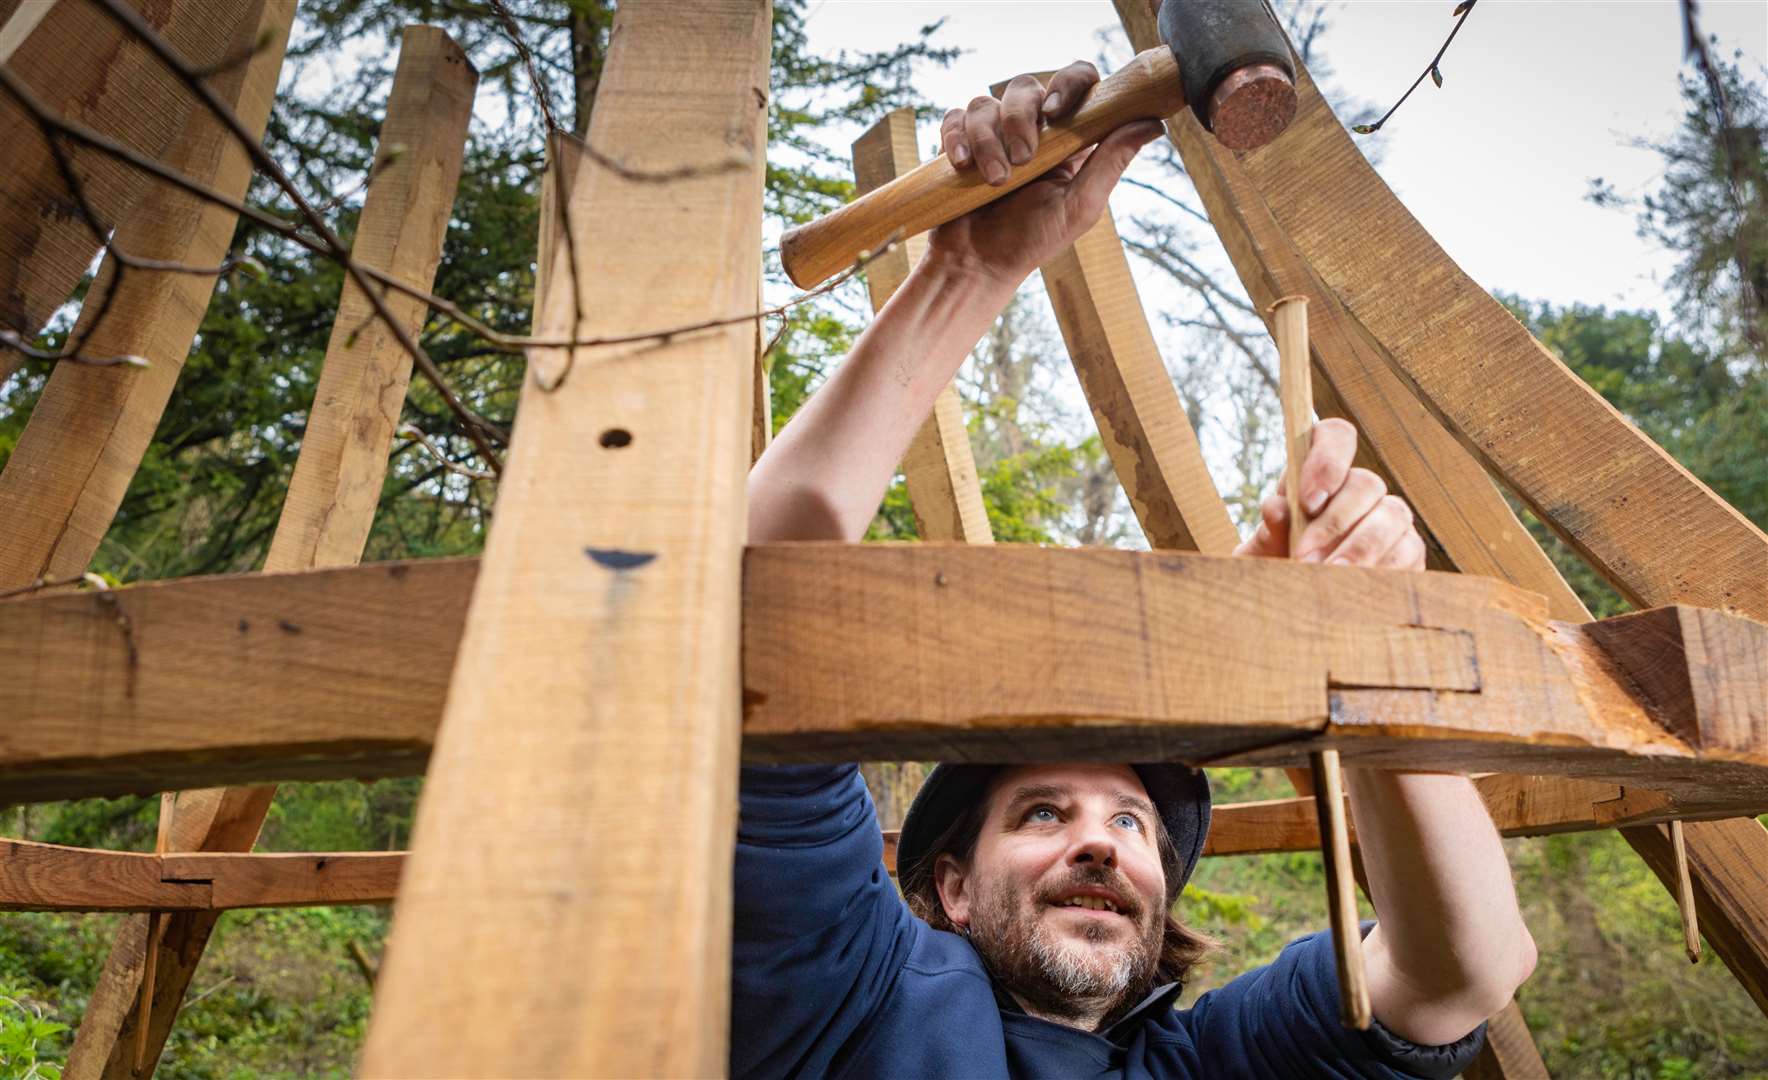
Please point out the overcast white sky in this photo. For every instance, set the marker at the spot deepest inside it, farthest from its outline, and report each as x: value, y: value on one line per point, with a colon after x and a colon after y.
x: 1539, y: 97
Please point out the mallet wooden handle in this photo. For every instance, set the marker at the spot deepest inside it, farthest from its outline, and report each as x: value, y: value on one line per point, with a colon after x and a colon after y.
x: 936, y: 192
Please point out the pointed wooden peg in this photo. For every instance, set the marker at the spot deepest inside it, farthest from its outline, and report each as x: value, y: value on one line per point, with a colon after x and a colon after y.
x: 1685, y: 894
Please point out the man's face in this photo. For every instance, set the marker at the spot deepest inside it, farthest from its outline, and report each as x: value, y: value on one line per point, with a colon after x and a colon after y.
x: 1065, y: 895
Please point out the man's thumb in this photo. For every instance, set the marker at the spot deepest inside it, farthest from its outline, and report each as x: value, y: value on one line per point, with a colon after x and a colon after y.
x: 1100, y: 173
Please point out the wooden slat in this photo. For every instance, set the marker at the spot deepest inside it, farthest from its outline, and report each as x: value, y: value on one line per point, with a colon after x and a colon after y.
x: 1459, y: 510
x: 596, y: 690
x: 85, y: 67
x: 337, y: 479
x: 352, y: 685
x: 49, y: 877
x: 1467, y: 522
x: 939, y: 466
x: 1725, y: 862
x: 1141, y: 421
x: 1654, y: 531
x: 74, y: 460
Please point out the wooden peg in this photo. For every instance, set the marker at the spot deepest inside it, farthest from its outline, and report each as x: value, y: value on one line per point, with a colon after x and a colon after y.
x: 150, y: 953
x: 1290, y: 327
x: 1685, y: 894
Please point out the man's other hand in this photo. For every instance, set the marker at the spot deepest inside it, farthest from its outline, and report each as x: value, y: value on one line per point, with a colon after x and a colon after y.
x: 1353, y: 521
x: 1014, y: 236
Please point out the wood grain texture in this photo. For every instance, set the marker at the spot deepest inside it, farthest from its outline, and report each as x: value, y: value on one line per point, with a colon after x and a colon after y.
x: 353, y: 666
x: 1717, y: 693
x: 939, y: 467
x: 1140, y: 418
x: 50, y: 877
x: 936, y: 192
x: 1171, y: 653
x: 596, y: 692
x: 337, y: 480
x: 86, y: 68
x: 1654, y: 531
x: 78, y: 452
x: 1462, y: 512
x: 1466, y: 523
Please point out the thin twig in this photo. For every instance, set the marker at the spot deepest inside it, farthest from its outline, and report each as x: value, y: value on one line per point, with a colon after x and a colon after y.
x: 1462, y: 11
x: 415, y: 433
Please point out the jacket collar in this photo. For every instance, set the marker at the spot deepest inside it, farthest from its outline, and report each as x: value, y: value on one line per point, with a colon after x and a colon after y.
x: 1158, y: 1001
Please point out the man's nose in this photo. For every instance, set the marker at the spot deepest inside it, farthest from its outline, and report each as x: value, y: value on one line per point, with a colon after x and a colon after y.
x: 1095, y: 845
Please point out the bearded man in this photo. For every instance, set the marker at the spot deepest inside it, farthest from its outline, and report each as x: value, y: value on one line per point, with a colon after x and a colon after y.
x: 1033, y: 936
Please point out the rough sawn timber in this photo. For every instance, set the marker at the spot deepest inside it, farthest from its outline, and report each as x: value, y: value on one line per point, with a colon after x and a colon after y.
x: 1071, y: 653
x: 86, y: 68
x: 49, y: 877
x: 584, y: 782
x: 85, y: 438
x: 338, y: 475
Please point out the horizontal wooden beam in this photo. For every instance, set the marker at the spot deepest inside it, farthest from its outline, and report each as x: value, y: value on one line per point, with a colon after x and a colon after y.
x: 50, y: 877
x: 1070, y: 654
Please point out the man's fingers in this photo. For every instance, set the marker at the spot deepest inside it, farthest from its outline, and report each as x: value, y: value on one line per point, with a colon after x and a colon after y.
x: 952, y: 139
x: 1406, y: 554
x: 1328, y: 464
x: 1356, y: 497
x: 982, y: 127
x: 1093, y: 184
x: 1369, y: 540
x: 1019, y: 112
x: 1068, y: 88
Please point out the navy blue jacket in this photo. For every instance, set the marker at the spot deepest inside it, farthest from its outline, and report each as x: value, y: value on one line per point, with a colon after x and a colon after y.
x: 833, y: 976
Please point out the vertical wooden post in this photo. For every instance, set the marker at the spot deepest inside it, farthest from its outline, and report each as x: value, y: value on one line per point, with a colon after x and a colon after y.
x: 939, y: 467
x: 339, y: 474
x: 572, y: 857
x: 1509, y: 1052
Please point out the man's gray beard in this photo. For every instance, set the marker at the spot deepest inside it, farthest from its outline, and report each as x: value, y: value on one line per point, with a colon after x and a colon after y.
x: 1057, y: 976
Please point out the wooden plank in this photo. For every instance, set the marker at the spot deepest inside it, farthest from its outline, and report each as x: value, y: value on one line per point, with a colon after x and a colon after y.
x: 1718, y: 693
x: 80, y: 449
x: 338, y: 476
x: 50, y: 877
x: 1509, y: 1052
x: 1466, y: 522
x: 939, y: 466
x: 1141, y: 421
x: 596, y: 691
x: 1650, y: 527
x: 337, y: 480
x: 84, y: 67
x: 1176, y: 657
x: 1462, y: 512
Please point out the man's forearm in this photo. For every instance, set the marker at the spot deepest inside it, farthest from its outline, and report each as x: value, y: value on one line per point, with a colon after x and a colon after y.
x: 824, y: 476
x: 1450, y: 946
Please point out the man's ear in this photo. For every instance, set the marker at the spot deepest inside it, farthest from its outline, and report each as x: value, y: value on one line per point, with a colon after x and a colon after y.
x: 953, y: 882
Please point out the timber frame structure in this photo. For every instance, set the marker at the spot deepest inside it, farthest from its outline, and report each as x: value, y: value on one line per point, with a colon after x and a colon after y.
x: 605, y: 666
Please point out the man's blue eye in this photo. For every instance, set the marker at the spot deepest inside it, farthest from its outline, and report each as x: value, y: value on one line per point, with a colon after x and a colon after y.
x: 1042, y: 813
x: 1133, y: 821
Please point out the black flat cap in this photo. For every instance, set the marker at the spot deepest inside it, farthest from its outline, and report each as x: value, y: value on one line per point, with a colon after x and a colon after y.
x: 1180, y: 795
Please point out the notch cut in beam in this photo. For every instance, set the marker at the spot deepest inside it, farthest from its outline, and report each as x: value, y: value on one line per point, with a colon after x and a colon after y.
x: 50, y: 877
x: 1076, y: 654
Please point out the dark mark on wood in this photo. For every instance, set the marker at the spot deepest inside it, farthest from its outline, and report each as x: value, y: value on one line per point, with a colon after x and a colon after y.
x: 290, y: 627
x: 244, y: 626
x: 614, y: 559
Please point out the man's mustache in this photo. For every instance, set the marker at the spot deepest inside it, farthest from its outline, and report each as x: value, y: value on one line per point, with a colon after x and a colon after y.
x: 1096, y: 877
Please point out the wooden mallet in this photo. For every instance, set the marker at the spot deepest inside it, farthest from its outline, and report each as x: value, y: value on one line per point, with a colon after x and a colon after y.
x: 1290, y: 327
x: 1226, y: 59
